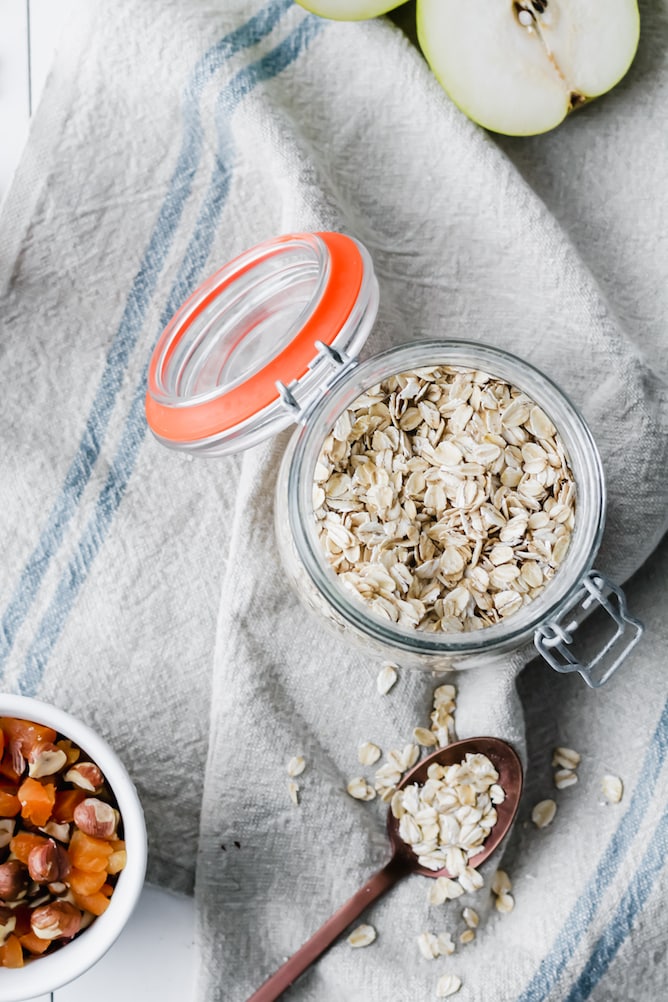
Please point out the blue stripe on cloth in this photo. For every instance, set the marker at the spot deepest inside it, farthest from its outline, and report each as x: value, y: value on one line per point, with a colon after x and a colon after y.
x: 622, y: 921
x: 582, y: 913
x: 135, y: 428
x: 143, y: 287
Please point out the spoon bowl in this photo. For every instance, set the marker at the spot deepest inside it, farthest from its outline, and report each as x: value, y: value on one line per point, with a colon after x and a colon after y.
x: 505, y: 760
x: 404, y: 861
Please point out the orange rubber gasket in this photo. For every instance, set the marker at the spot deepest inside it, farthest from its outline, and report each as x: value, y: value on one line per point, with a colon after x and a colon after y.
x: 211, y: 417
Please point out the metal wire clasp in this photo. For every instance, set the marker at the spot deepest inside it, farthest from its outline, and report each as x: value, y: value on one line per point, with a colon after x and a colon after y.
x: 553, y: 639
x: 338, y: 362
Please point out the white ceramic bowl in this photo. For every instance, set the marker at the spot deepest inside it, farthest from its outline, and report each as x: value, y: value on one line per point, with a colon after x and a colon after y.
x: 46, y: 973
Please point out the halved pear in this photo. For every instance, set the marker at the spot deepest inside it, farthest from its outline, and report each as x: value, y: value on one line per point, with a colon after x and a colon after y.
x: 520, y: 66
x: 350, y: 10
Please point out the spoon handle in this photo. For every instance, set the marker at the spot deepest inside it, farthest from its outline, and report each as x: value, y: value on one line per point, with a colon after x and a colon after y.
x: 288, y: 973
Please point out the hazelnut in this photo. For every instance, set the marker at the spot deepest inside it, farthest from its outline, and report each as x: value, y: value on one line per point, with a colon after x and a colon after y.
x: 71, y: 751
x: 45, y: 759
x: 57, y: 829
x: 18, y: 761
x: 86, y: 776
x: 48, y: 863
x: 56, y: 920
x: 7, y: 923
x: 13, y: 880
x: 94, y: 817
x: 7, y: 826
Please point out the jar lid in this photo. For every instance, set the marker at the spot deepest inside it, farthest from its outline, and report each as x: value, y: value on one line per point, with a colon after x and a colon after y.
x: 259, y: 340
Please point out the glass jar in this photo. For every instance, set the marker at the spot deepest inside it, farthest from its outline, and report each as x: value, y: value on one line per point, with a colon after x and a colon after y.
x: 272, y: 339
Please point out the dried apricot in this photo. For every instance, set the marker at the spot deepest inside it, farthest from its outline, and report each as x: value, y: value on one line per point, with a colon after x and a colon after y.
x: 88, y: 853
x: 37, y: 800
x: 93, y: 903
x: 11, y: 954
x: 66, y: 801
x: 86, y: 881
x: 33, y: 944
x: 10, y: 805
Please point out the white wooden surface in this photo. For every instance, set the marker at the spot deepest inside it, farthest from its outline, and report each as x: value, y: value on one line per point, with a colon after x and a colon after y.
x: 14, y: 93
x: 153, y: 959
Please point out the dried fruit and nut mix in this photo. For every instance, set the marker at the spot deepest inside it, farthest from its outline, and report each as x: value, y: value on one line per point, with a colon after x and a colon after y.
x: 444, y: 499
x: 60, y: 840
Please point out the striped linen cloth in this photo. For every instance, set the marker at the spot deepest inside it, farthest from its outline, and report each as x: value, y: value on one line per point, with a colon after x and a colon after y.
x: 142, y: 592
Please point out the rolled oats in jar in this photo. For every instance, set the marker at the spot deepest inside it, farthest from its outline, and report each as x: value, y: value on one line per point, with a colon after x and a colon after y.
x: 444, y: 499
x: 440, y: 504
